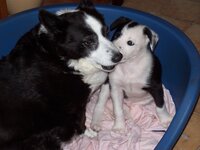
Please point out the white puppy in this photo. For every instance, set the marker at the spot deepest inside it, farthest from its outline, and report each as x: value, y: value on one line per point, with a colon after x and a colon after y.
x: 136, y: 77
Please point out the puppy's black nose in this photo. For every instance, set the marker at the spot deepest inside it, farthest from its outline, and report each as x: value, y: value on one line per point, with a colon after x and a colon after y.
x: 117, y: 57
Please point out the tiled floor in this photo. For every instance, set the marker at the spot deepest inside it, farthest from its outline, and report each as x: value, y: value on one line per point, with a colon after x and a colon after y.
x: 184, y: 14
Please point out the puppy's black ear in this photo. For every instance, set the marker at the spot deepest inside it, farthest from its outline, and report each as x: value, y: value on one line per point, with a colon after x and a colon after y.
x: 85, y: 4
x: 50, y: 21
x: 152, y: 36
x: 119, y: 23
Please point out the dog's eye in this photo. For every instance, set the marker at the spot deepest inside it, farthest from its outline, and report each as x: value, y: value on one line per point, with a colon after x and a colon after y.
x: 130, y: 43
x: 90, y: 42
x: 86, y: 43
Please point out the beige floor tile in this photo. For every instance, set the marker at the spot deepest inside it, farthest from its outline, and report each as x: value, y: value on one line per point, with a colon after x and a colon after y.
x: 197, y: 108
x: 190, y: 139
x: 193, y: 33
x: 182, y: 9
x: 154, y: 9
x: 195, y: 1
x: 198, y: 21
x: 145, y: 5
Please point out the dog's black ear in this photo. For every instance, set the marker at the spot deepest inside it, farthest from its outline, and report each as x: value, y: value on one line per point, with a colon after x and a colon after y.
x: 50, y: 21
x: 119, y: 23
x: 152, y: 36
x: 85, y: 4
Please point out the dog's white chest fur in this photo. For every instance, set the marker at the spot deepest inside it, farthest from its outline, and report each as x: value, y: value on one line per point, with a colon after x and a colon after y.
x: 133, y: 75
x: 91, y: 75
x: 95, y: 80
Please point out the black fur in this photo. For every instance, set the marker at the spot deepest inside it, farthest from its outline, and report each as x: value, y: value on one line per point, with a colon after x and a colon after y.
x: 42, y: 103
x: 119, y: 24
x: 155, y: 82
x: 148, y: 33
x: 132, y: 24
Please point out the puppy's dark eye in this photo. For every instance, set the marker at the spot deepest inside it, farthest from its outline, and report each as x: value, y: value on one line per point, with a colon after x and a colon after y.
x: 130, y: 43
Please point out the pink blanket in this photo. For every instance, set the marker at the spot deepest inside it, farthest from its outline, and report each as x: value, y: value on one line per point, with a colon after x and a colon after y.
x: 143, y: 130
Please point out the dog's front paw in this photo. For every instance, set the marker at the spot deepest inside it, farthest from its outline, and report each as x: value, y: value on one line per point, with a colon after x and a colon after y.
x: 90, y: 133
x: 119, y: 127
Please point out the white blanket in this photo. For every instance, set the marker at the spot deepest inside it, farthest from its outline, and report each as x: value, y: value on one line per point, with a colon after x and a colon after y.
x: 143, y: 129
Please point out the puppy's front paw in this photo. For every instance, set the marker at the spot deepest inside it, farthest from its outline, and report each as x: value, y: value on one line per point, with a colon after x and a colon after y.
x: 166, y: 120
x: 95, y: 126
x: 164, y: 116
x: 119, y: 127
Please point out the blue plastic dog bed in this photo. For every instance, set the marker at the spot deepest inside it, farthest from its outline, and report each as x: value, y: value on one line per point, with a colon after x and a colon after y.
x: 179, y: 58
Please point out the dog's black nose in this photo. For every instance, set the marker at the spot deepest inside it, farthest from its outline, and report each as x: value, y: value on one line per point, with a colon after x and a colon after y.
x: 117, y: 57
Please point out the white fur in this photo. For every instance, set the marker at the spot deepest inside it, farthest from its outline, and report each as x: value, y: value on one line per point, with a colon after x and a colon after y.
x: 99, y: 108
x: 90, y: 133
x: 103, y: 54
x: 91, y: 74
x: 42, y: 29
x: 63, y: 11
x: 130, y: 76
x: 140, y: 40
x: 164, y: 116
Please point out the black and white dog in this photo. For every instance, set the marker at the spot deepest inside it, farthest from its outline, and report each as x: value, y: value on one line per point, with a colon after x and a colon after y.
x: 46, y: 80
x: 136, y: 78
